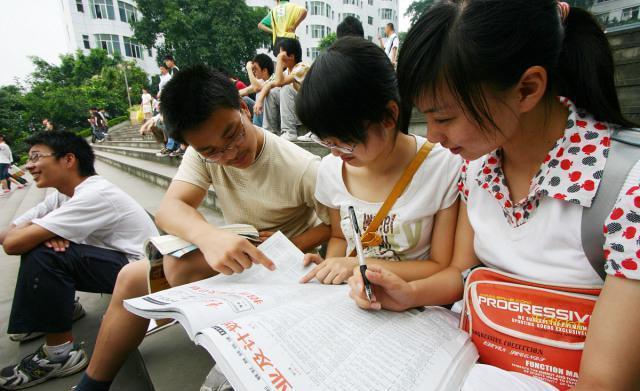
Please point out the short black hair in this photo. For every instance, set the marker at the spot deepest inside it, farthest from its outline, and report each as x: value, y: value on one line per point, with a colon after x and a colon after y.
x: 347, y: 86
x: 291, y: 46
x: 64, y: 142
x: 169, y: 57
x: 264, y: 61
x: 350, y: 26
x: 391, y: 26
x: 192, y: 95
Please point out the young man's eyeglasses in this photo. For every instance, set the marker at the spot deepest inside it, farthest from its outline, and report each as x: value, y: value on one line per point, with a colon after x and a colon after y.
x: 34, y: 157
x: 216, y: 155
x: 332, y: 146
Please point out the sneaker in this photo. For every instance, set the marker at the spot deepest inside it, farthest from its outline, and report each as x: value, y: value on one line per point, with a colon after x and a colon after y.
x: 36, y: 368
x: 163, y: 152
x: 289, y: 136
x: 78, y: 312
x: 306, y: 137
x: 177, y: 153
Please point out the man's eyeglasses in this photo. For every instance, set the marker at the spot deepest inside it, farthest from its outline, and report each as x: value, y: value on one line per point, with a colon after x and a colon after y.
x: 34, y: 157
x: 332, y: 146
x: 216, y: 155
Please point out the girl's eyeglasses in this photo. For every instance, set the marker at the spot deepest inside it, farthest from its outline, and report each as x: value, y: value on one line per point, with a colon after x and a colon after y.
x: 216, y: 155
x: 332, y: 146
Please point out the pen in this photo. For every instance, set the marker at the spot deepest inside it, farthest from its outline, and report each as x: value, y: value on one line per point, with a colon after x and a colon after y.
x: 360, y: 252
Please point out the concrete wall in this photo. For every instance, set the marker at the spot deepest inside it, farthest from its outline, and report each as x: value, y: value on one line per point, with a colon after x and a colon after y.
x: 625, y: 45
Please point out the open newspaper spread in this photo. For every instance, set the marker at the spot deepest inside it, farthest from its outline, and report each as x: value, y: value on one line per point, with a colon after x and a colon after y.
x: 266, y: 331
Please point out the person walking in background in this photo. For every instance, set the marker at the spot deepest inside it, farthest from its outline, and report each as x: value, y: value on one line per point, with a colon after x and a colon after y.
x: 6, y: 158
x: 165, y: 76
x: 282, y: 21
x: 146, y: 103
x: 391, y: 44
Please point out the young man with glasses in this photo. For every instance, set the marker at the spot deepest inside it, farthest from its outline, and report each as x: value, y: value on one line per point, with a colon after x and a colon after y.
x: 259, y: 179
x: 78, y: 238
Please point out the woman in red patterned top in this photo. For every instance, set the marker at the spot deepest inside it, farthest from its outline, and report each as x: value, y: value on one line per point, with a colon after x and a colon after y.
x: 524, y: 90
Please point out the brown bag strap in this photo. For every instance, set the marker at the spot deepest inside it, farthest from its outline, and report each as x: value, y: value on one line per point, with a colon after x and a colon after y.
x: 370, y: 237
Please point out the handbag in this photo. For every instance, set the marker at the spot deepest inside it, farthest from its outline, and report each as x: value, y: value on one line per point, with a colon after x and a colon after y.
x: 370, y: 237
x: 528, y: 326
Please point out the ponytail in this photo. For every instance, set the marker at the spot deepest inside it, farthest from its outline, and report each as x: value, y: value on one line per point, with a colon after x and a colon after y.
x: 586, y: 70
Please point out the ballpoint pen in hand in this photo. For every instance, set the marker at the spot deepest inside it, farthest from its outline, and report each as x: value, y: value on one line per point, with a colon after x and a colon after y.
x: 360, y: 252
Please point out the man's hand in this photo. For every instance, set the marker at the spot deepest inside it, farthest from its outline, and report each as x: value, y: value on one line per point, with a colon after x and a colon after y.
x: 258, y: 107
x: 228, y: 253
x: 249, y: 67
x: 389, y: 291
x: 332, y: 270
x: 281, y: 56
x: 58, y: 244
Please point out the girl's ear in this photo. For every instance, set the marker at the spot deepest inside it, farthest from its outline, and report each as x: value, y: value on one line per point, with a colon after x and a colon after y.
x: 531, y: 88
x: 392, y: 113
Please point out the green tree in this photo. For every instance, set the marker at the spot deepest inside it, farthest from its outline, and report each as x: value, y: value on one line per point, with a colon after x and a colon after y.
x: 327, y: 41
x: 12, y: 119
x: 220, y: 33
x: 417, y: 8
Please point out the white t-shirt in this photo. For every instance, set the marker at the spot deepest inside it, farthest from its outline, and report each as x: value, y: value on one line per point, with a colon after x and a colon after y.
x: 164, y: 79
x: 5, y: 154
x: 391, y: 42
x: 146, y: 103
x: 406, y: 230
x: 99, y: 214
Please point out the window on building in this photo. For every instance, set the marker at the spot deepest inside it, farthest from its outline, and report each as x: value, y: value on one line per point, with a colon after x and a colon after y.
x: 333, y: 15
x: 381, y: 32
x: 132, y: 49
x: 85, y: 41
x: 630, y: 13
x: 370, y: 38
x: 386, y: 13
x: 344, y: 16
x: 79, y: 6
x: 308, y: 55
x: 127, y: 12
x: 370, y: 19
x: 318, y: 8
x: 328, y: 11
x: 102, y: 9
x: 108, y: 42
x: 315, y: 52
x: 149, y: 52
x: 370, y: 2
x: 350, y: 2
x: 318, y: 31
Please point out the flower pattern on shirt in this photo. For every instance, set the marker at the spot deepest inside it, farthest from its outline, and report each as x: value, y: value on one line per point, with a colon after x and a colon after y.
x: 571, y: 172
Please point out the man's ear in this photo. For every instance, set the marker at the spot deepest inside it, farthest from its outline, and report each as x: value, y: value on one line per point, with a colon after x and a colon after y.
x: 244, y: 107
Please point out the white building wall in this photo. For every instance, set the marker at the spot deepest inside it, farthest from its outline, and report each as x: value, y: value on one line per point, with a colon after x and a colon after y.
x: 620, y: 10
x: 362, y: 9
x: 79, y: 24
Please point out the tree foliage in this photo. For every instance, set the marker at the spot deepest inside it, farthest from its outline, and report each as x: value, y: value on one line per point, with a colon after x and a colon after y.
x: 64, y: 93
x: 220, y: 33
x: 417, y: 8
x: 327, y: 41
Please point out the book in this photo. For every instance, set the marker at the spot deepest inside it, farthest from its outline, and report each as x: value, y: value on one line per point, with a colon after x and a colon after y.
x: 156, y: 247
x: 268, y: 332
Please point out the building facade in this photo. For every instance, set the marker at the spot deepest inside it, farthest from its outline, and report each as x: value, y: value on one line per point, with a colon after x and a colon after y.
x: 616, y: 12
x: 105, y: 24
x: 323, y: 17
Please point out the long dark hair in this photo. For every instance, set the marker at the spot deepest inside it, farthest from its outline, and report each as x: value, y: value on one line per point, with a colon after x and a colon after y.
x: 348, y: 85
x: 475, y: 45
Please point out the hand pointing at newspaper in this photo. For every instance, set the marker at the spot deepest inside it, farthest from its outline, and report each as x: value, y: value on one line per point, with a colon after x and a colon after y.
x: 389, y: 291
x: 228, y: 253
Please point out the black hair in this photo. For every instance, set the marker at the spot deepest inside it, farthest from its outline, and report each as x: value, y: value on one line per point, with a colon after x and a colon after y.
x: 490, y: 43
x: 391, y: 26
x: 191, y: 97
x: 350, y: 26
x: 169, y: 57
x: 264, y: 61
x: 63, y: 143
x: 291, y: 46
x: 348, y: 85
